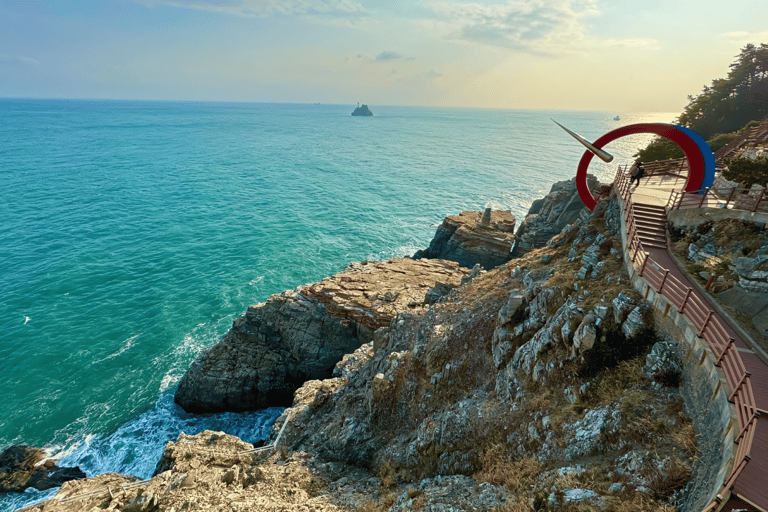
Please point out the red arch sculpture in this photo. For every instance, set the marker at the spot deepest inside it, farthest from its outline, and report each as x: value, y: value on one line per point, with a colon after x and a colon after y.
x: 700, y: 164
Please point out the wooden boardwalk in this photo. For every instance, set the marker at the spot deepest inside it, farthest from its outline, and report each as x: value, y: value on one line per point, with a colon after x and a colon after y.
x: 746, y: 372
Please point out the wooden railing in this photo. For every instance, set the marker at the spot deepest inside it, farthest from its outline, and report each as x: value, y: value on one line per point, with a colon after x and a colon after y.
x: 709, y: 326
x: 733, y: 198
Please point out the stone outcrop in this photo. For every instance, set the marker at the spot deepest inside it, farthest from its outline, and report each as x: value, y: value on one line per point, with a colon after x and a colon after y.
x: 473, y: 237
x: 548, y: 216
x: 300, y: 335
x: 21, y: 468
x: 362, y: 110
x: 478, y: 398
x: 208, y: 471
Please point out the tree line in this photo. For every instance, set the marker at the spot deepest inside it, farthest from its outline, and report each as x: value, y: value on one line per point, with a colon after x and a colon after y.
x: 723, y: 110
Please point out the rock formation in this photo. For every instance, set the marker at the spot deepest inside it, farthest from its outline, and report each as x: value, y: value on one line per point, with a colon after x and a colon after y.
x: 511, y: 391
x: 362, y: 110
x: 548, y: 216
x: 300, y: 335
x: 472, y: 238
x: 21, y: 468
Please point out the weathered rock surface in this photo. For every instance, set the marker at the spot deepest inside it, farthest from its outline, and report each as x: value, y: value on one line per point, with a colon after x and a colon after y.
x: 459, y: 406
x: 300, y: 335
x: 472, y: 238
x: 548, y: 216
x: 20, y: 469
x: 208, y: 471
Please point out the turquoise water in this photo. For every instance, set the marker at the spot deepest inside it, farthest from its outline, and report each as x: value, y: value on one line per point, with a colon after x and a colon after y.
x: 133, y: 233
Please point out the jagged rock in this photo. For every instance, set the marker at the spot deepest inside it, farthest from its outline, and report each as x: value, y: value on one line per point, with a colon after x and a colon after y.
x: 585, y: 335
x: 698, y: 254
x: 207, y: 471
x: 634, y: 465
x: 476, y: 271
x: 583, y: 496
x: 549, y: 216
x: 20, y: 469
x: 662, y: 364
x: 452, y: 494
x: 350, y: 364
x: 622, y: 305
x: 582, y: 273
x: 300, y: 335
x: 466, y: 240
x: 439, y: 291
x: 635, y: 321
x: 586, y: 435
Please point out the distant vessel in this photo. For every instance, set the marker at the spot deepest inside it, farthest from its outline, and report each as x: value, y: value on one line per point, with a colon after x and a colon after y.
x: 362, y: 110
x: 617, y: 118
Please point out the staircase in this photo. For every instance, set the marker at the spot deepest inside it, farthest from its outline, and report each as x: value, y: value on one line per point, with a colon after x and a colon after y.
x: 651, y: 225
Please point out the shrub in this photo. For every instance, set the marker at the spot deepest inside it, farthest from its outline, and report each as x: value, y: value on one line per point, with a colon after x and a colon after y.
x: 662, y: 482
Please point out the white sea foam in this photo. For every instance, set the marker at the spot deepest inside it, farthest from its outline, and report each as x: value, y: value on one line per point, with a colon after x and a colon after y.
x: 125, y: 345
x: 135, y: 446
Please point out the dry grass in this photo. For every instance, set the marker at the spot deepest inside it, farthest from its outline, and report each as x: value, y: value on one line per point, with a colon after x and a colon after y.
x: 637, y: 503
x: 685, y: 436
x: 382, y: 505
x: 614, y: 381
x: 497, y: 469
x: 521, y: 505
x: 539, y: 402
x: 663, y: 482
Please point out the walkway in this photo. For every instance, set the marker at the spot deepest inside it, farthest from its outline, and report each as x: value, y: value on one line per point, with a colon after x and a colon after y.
x: 747, y: 375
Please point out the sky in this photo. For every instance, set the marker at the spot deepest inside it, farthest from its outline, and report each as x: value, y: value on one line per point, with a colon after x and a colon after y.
x: 611, y: 55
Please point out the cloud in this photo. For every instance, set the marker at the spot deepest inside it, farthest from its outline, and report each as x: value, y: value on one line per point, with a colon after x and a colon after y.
x: 25, y: 61
x: 386, y: 56
x: 743, y: 38
x: 252, y: 8
x: 540, y: 27
x: 432, y: 74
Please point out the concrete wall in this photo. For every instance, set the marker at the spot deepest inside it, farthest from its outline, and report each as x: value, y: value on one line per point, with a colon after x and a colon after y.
x: 704, y: 384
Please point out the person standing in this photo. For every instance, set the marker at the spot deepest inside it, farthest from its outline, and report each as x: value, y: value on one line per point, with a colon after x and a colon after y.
x: 637, y: 172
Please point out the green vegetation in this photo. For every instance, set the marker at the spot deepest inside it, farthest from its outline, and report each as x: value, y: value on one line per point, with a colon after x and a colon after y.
x: 722, y: 110
x: 747, y: 171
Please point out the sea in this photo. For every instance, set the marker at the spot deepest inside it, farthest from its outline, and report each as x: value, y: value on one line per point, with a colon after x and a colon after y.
x: 132, y: 234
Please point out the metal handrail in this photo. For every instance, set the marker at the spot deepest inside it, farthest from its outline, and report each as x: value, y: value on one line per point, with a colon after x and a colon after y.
x: 709, y: 327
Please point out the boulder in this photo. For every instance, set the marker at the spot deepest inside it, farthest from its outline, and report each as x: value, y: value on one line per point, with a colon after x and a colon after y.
x: 472, y: 238
x: 662, y: 364
x: 300, y: 335
x: 548, y: 217
x: 20, y: 469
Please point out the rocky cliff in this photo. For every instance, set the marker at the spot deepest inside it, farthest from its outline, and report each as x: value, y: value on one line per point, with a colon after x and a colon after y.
x: 300, y: 335
x: 549, y: 215
x: 473, y: 238
x: 518, y: 379
x: 536, y: 385
x: 22, y: 467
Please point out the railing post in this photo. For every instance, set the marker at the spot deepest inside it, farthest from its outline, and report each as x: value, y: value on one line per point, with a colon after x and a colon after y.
x: 759, y: 198
x: 738, y: 387
x: 724, y: 352
x: 706, y: 322
x: 703, y: 197
x: 744, y: 430
x: 642, y: 268
x: 663, y: 280
x: 730, y: 196
x: 685, y: 300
